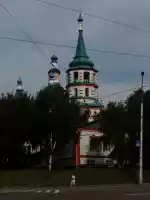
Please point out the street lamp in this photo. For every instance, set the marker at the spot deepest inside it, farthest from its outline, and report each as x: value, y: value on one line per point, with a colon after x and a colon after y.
x: 141, y: 134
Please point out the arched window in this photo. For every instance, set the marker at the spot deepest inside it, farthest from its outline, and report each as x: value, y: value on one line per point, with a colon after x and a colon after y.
x: 86, y: 76
x: 86, y: 92
x: 75, y: 92
x: 75, y: 76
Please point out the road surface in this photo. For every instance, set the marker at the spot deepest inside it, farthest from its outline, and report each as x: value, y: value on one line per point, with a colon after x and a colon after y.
x: 130, y: 192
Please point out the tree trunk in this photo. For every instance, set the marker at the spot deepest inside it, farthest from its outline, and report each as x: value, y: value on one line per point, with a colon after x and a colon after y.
x: 50, y: 162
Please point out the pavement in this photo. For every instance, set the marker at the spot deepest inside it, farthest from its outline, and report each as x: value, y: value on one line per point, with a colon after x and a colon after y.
x: 117, y: 192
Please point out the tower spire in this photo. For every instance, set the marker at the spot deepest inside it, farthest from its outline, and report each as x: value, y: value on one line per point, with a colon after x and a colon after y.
x: 80, y: 50
x: 81, y: 58
x: 80, y: 21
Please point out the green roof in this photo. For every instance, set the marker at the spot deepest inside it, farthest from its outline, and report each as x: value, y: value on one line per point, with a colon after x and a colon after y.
x: 81, y: 58
x: 94, y: 105
x: 80, y: 50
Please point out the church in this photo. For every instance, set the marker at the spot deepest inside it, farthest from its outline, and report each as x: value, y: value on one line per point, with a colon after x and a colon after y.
x: 91, y: 146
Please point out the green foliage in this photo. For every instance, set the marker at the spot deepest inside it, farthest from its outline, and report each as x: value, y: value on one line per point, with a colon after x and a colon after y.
x: 117, y: 119
x: 26, y: 118
x: 15, y: 117
x: 56, y: 114
x: 113, y: 121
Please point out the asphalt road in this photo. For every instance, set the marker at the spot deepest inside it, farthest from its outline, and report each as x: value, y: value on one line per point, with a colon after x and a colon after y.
x: 92, y: 193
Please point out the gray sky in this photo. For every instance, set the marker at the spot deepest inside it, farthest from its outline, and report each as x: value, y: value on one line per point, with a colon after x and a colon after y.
x: 55, y: 25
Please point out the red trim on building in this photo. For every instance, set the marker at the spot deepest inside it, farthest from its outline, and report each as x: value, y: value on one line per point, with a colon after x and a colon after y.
x: 77, y: 154
x: 82, y: 84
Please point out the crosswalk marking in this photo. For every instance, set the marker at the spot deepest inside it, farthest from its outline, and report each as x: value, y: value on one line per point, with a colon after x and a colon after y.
x: 47, y: 191
x: 38, y: 191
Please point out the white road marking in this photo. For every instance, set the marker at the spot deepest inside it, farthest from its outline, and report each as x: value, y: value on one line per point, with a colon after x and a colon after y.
x: 39, y: 191
x: 56, y: 191
x: 30, y: 190
x: 138, y: 194
x: 27, y: 190
x: 14, y: 190
x: 47, y: 191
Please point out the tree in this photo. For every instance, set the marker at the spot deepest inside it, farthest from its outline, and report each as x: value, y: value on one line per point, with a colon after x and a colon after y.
x: 113, y: 123
x: 16, y: 121
x: 133, y: 104
x: 56, y: 116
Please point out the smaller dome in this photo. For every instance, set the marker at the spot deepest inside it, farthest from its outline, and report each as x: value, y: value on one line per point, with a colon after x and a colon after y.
x: 54, y: 70
x: 54, y: 58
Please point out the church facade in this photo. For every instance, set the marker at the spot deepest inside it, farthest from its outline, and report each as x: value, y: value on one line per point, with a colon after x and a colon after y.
x: 91, y: 146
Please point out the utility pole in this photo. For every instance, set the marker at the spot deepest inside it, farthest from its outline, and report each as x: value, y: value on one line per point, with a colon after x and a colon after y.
x: 141, y: 134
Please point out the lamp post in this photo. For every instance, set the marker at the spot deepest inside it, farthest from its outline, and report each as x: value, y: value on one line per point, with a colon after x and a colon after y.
x: 141, y: 134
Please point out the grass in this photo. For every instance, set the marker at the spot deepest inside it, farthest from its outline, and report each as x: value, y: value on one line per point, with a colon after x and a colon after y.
x: 84, y: 176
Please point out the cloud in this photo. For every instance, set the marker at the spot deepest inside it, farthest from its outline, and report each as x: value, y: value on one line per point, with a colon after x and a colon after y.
x: 115, y: 92
x: 55, y: 25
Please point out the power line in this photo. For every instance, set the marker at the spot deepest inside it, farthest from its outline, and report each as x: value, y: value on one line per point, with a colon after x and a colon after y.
x: 96, y: 16
x: 73, y: 47
x: 123, y: 91
x: 26, y: 34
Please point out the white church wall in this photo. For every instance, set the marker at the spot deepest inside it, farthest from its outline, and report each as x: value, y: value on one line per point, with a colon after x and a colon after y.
x: 81, y: 91
x: 89, y: 156
x: 85, y: 140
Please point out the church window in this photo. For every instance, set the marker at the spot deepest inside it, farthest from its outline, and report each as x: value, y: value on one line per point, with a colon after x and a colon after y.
x: 76, y: 92
x: 86, y: 76
x: 69, y: 77
x: 75, y: 76
x: 86, y: 92
x: 94, y: 77
x: 95, y: 143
